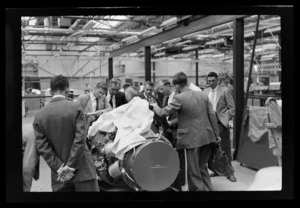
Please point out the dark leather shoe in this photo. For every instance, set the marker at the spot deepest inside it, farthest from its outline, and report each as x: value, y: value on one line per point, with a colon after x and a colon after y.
x: 232, y: 178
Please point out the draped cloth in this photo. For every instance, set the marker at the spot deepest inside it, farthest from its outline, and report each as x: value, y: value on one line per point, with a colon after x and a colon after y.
x: 257, y: 119
x: 131, y: 120
x: 275, y: 117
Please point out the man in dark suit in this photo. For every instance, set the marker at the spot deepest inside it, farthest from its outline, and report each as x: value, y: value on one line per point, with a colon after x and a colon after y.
x: 115, y: 96
x: 223, y: 105
x: 197, y: 131
x: 60, y: 139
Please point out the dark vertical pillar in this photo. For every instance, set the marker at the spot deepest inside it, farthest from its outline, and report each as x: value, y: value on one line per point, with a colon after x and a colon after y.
x: 197, y: 72
x: 238, y: 80
x: 153, y: 71
x: 110, y: 68
x: 147, y: 63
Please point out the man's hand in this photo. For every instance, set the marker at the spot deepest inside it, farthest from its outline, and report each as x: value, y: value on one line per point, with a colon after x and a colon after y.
x: 65, y: 174
x: 218, y: 139
x: 152, y: 102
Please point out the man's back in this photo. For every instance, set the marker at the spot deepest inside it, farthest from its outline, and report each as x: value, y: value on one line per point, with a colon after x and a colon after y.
x: 62, y: 122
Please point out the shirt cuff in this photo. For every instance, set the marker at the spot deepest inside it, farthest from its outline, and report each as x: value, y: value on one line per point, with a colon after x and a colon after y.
x: 60, y: 168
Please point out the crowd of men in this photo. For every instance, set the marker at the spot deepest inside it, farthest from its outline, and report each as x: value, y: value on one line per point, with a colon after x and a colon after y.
x: 193, y: 120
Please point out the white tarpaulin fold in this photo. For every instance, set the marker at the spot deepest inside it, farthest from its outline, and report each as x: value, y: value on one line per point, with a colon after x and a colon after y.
x: 131, y: 120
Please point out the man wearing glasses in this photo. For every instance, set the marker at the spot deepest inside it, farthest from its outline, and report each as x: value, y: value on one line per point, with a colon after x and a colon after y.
x: 223, y: 105
x: 115, y: 96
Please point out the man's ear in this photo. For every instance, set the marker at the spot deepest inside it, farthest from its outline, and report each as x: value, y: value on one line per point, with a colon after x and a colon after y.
x: 51, y: 92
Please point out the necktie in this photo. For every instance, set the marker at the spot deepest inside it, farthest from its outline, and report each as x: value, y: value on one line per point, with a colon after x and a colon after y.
x: 97, y: 102
x: 167, y: 100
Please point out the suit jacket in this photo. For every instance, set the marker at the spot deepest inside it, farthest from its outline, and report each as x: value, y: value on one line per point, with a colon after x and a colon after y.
x: 30, y: 157
x: 197, y: 122
x: 86, y: 103
x: 120, y: 99
x: 225, y: 108
x: 60, y: 138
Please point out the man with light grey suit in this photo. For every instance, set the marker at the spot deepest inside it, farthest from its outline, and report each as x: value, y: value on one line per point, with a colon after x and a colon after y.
x: 223, y: 104
x: 197, y: 131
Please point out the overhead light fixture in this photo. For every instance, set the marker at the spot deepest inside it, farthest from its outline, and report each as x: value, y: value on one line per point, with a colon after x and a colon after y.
x: 172, y: 41
x: 213, y: 42
x: 169, y: 22
x: 160, y: 54
x: 149, y: 31
x: 184, y: 42
x: 201, y: 36
x: 78, y: 34
x: 89, y: 25
x: 130, y: 39
x: 114, y: 46
x: 218, y: 55
x: 190, y: 47
x: 158, y: 49
x: 209, y: 50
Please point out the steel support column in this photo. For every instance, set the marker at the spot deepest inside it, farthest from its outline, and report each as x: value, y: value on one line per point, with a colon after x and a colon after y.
x: 147, y: 63
x: 238, y: 80
x: 153, y: 71
x: 197, y: 72
x: 110, y: 68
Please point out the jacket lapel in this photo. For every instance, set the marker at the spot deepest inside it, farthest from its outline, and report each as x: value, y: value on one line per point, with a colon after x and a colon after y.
x: 219, y: 92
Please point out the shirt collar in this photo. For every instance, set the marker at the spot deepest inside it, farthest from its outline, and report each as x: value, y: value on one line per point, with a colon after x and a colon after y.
x: 55, y: 96
x: 216, y: 88
x: 92, y: 96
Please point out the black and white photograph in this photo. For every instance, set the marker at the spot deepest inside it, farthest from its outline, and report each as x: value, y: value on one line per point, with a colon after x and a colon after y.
x: 149, y: 102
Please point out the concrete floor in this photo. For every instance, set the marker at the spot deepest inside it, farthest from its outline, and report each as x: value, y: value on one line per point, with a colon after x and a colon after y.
x: 245, y: 175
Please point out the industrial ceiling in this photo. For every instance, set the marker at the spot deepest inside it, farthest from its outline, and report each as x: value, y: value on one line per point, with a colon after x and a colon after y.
x: 93, y: 36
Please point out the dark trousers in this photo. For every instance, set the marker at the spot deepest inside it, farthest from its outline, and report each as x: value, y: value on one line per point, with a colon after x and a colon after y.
x: 197, y: 173
x: 82, y: 186
x: 225, y: 140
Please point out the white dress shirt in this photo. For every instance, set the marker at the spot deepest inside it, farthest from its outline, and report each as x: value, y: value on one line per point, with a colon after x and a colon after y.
x: 194, y: 87
x: 212, y: 97
x: 55, y: 96
x: 94, y: 102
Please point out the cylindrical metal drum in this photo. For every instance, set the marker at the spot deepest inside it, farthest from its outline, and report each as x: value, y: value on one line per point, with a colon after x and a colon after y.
x: 153, y: 166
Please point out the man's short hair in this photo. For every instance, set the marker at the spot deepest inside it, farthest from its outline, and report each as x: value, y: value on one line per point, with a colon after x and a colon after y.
x: 150, y: 83
x: 212, y: 74
x: 180, y: 79
x: 126, y: 85
x: 115, y: 81
x: 131, y: 91
x: 59, y: 82
x: 102, y: 85
x: 166, y: 82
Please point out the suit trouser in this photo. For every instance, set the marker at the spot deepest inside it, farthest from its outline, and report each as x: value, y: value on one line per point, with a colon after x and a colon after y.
x: 82, y: 186
x: 225, y: 140
x: 197, y: 172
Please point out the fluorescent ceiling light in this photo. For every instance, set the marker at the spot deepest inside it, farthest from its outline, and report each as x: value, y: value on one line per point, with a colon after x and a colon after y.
x: 201, y: 37
x: 184, y: 42
x: 218, y: 55
x: 190, y: 47
x: 209, y: 50
x: 158, y: 49
x: 169, y: 22
x: 215, y: 42
x: 160, y: 54
x: 149, y: 31
x: 130, y: 39
x: 89, y: 25
x: 172, y: 41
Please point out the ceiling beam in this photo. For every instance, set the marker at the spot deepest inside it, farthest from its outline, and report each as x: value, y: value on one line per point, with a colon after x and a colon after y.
x: 178, y: 31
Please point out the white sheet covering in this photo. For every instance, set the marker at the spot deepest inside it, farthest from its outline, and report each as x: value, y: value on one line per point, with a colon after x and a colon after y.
x: 131, y: 119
